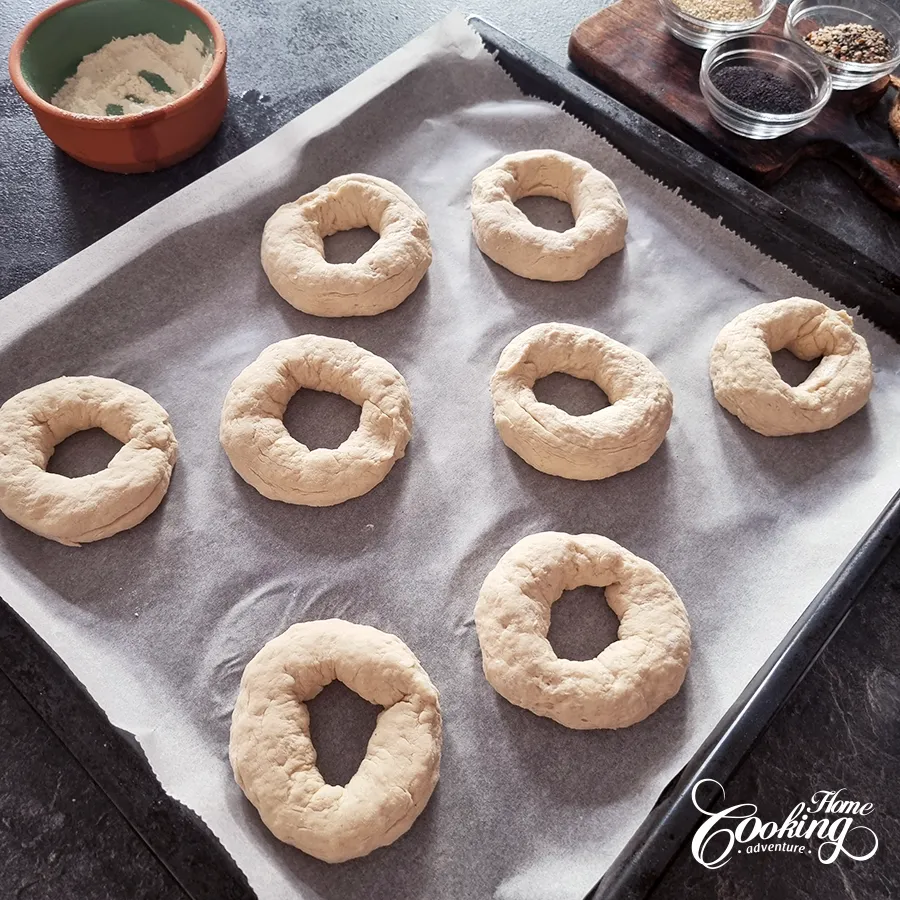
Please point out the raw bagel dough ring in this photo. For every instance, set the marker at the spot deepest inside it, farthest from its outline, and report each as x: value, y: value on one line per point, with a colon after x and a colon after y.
x: 74, y: 511
x: 382, y: 278
x: 506, y: 235
x: 611, y: 440
x: 262, y: 450
x: 274, y: 759
x: 629, y: 680
x: 748, y: 385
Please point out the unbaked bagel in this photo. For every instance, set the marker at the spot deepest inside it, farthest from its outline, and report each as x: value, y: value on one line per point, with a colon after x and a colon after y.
x: 748, y: 385
x: 383, y: 277
x: 75, y: 511
x: 274, y: 759
x: 262, y: 450
x: 629, y: 679
x: 611, y: 440
x: 505, y: 234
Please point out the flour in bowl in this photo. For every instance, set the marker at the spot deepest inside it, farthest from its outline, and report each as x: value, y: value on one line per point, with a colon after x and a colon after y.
x: 134, y: 74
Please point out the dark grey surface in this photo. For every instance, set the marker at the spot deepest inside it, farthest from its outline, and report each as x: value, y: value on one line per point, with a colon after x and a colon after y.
x: 59, y: 835
x: 839, y: 730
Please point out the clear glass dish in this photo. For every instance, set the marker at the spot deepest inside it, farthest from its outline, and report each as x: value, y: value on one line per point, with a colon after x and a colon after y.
x: 805, y: 16
x: 798, y: 65
x: 704, y: 33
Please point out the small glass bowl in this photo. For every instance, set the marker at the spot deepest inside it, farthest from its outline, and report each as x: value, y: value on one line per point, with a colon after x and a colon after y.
x: 796, y: 64
x: 706, y: 32
x: 805, y: 16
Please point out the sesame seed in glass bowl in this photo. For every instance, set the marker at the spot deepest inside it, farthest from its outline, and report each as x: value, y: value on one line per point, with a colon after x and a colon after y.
x: 702, y: 23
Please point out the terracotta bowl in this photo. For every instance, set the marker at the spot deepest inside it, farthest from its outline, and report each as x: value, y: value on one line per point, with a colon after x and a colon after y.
x: 50, y: 47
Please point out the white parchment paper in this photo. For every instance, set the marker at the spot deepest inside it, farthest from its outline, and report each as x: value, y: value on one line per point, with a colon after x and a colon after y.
x: 158, y: 622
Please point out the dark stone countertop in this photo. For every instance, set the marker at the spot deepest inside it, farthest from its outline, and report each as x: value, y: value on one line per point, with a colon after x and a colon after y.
x: 60, y: 836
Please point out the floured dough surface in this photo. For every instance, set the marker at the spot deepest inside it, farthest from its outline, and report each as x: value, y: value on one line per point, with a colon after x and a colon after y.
x: 611, y: 440
x: 629, y: 679
x: 748, y: 385
x: 74, y: 511
x: 274, y: 759
x: 293, y: 248
x: 506, y: 235
x: 262, y: 450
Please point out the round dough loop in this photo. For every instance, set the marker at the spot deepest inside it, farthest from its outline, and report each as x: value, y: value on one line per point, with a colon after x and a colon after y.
x: 383, y: 277
x: 274, y: 759
x: 262, y: 450
x: 604, y: 443
x: 74, y: 511
x: 505, y: 234
x: 629, y: 680
x: 748, y: 385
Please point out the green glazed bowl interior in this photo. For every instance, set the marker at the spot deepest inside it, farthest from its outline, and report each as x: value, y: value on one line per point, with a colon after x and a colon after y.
x: 58, y: 44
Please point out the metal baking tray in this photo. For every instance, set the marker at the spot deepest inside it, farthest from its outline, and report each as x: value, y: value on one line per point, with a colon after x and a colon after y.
x: 191, y: 853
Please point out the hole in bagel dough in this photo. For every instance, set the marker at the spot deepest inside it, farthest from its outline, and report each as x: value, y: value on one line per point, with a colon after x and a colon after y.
x: 83, y: 453
x: 792, y: 370
x: 349, y: 246
x: 320, y: 418
x: 581, y: 624
x: 547, y: 212
x: 340, y: 725
x: 577, y: 396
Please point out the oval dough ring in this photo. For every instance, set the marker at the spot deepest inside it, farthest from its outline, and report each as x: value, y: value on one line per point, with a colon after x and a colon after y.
x: 265, y: 455
x: 611, y: 440
x: 748, y: 385
x: 274, y: 759
x: 74, y: 511
x: 629, y: 680
x: 383, y: 277
x: 506, y: 235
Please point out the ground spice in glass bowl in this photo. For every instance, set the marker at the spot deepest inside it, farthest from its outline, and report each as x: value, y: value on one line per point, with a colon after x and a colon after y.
x: 851, y: 42
x: 759, y: 90
x: 857, y: 40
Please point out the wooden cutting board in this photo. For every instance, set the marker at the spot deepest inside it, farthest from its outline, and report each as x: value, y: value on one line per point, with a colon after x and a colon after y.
x: 628, y: 52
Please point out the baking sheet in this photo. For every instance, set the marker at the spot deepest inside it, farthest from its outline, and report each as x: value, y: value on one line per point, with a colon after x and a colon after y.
x: 159, y: 621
